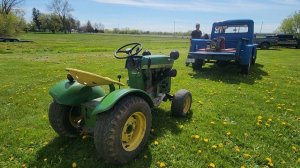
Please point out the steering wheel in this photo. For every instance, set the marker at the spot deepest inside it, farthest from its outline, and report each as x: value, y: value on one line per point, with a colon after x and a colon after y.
x: 128, y: 50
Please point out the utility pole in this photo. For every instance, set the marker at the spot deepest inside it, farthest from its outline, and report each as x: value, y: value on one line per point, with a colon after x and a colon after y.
x: 261, y: 26
x: 174, y: 29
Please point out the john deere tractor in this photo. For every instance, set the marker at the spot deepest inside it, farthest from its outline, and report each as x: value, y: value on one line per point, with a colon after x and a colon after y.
x: 120, y: 120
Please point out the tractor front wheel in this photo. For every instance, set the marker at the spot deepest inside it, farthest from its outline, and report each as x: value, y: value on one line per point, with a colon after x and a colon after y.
x: 65, y: 120
x: 122, y: 132
x: 181, y: 103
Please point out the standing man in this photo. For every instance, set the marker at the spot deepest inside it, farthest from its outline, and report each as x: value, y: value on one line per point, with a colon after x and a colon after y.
x: 196, y: 34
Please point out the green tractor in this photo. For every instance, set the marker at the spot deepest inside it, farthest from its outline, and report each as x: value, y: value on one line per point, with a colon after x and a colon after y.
x: 120, y: 120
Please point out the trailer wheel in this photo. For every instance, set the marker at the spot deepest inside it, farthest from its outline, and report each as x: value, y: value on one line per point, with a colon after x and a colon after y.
x: 197, y: 65
x: 65, y: 120
x: 265, y: 45
x: 122, y: 132
x: 181, y: 103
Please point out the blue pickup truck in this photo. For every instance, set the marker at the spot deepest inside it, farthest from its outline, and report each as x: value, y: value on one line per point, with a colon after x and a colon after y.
x: 231, y: 40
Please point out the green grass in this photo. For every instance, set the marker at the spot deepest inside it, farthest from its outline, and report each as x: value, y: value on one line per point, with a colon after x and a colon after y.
x: 224, y: 102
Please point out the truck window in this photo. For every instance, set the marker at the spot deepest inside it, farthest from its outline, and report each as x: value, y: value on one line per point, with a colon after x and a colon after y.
x: 231, y: 29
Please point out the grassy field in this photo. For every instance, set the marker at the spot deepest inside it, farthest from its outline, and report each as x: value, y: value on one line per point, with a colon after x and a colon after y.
x: 236, y: 120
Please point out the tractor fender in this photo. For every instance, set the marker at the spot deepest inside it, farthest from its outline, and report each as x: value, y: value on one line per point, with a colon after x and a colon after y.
x: 112, y: 98
x: 74, y: 93
x: 246, y: 55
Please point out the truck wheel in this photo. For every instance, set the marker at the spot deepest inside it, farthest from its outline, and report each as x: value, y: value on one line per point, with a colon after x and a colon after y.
x: 65, y: 120
x: 181, y: 103
x: 254, y: 57
x: 265, y: 45
x: 245, y: 69
x: 197, y: 65
x: 122, y: 132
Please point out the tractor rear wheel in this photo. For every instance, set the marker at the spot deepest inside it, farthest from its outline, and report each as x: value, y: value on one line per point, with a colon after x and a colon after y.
x: 197, y: 65
x: 122, y: 132
x: 65, y: 120
x: 181, y: 103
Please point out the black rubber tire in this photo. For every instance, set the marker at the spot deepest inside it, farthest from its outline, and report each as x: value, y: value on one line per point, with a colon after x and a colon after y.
x: 254, y: 57
x: 265, y: 45
x: 222, y: 63
x: 59, y: 118
x: 245, y: 69
x: 197, y: 65
x: 178, y: 108
x: 109, y: 126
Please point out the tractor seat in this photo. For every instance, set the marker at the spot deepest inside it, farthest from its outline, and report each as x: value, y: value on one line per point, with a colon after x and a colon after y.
x: 91, y: 79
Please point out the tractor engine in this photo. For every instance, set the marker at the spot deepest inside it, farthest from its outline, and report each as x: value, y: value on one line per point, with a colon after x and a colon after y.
x: 151, y: 73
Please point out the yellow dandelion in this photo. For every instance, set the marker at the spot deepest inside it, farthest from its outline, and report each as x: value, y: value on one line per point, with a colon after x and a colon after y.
x: 228, y: 133
x: 269, y: 159
x: 155, y: 142
x: 161, y: 164
x: 211, y: 165
x: 246, y: 155
x: 243, y: 166
x: 212, y: 122
x: 270, y: 164
x: 225, y: 123
x: 74, y: 165
x: 197, y: 136
x: 199, y: 151
x: 45, y: 159
x: 298, y: 160
x: 294, y: 148
x: 174, y: 147
x: 267, y: 124
x: 269, y: 120
x: 283, y: 123
x: 205, y: 140
x: 237, y: 149
x: 214, y: 146
x: 220, y: 145
x: 259, y: 118
x: 180, y: 126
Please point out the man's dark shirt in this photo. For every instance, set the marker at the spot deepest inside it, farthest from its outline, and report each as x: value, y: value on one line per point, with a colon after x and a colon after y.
x: 196, y: 34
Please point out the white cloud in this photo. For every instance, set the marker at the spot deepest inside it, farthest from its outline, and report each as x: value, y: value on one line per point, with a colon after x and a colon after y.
x: 230, y: 6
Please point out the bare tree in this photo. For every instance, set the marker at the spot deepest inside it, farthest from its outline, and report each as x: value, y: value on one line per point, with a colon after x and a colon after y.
x: 63, y: 9
x: 8, y: 5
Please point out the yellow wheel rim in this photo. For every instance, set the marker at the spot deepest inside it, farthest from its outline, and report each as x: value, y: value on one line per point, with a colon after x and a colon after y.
x: 133, y: 131
x: 187, y: 104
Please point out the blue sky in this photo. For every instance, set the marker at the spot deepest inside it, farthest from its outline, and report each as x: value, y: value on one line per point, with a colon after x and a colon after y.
x: 160, y: 15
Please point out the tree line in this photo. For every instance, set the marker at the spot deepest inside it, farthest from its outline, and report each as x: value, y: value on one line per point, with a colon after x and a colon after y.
x: 60, y: 19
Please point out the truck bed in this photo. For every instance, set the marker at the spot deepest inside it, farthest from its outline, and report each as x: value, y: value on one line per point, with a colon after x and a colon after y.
x: 212, y: 55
